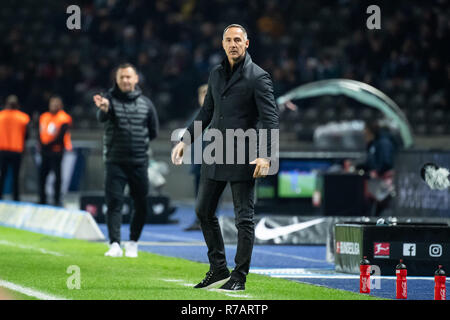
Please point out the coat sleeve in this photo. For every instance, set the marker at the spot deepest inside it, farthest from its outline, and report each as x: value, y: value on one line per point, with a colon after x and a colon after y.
x: 267, y: 110
x: 204, y: 116
x: 59, y: 139
x: 105, y: 116
x: 102, y: 116
x: 152, y: 122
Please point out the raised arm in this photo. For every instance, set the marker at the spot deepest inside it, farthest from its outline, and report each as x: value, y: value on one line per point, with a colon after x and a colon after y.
x: 104, y: 111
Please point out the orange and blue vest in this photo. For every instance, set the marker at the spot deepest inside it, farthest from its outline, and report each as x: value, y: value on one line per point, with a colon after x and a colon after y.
x: 49, y: 129
x: 13, y: 127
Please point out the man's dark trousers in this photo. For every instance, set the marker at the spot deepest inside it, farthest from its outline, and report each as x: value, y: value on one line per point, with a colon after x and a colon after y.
x: 116, y: 177
x: 243, y: 200
x: 51, y: 161
x: 13, y: 160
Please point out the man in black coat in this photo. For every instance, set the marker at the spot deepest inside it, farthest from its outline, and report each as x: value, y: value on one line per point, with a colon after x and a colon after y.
x: 239, y: 95
x: 130, y: 122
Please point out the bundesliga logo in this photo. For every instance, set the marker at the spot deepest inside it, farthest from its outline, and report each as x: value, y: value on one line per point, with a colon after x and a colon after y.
x: 381, y: 249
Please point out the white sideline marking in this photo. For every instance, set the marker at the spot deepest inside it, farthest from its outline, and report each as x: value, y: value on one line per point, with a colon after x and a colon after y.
x: 28, y: 291
x: 185, y: 241
x: 306, y: 274
x: 237, y: 295
x: 347, y: 277
x: 188, y: 284
x: 270, y: 271
x: 287, y: 255
x: 229, y: 294
x: 168, y: 237
x: 172, y: 244
x: 22, y: 246
x: 172, y: 280
x: 329, y: 276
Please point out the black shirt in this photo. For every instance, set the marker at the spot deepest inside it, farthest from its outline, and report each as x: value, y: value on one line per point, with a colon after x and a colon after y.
x: 228, y: 71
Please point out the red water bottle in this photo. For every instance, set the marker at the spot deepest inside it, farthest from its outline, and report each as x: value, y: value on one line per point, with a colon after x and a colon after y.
x: 439, y: 284
x: 400, y: 285
x: 364, y: 276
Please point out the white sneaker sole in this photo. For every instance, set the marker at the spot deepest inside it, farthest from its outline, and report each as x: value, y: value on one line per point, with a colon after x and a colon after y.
x: 113, y: 255
x: 217, y: 284
x: 227, y: 290
x: 131, y: 255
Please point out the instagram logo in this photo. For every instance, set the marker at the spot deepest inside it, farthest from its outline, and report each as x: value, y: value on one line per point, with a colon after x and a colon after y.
x: 435, y: 250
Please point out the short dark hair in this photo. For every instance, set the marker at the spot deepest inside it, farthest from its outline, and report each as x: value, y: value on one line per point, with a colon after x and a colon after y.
x: 124, y: 66
x: 235, y: 25
x: 55, y: 96
x: 12, y: 101
x: 373, y: 126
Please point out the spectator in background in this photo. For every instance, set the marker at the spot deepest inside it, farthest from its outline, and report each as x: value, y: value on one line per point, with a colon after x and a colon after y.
x: 195, y: 167
x: 381, y: 149
x: 13, y: 133
x: 322, y: 39
x: 54, y: 139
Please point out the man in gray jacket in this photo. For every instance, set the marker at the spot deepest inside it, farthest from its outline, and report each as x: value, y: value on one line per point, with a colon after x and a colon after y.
x: 130, y: 122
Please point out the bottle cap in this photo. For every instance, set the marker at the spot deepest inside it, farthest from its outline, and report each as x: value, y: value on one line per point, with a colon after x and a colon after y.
x: 401, y: 265
x: 439, y: 271
x: 364, y: 261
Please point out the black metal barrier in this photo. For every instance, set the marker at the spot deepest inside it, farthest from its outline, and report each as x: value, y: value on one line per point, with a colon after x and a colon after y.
x: 159, y: 213
x: 414, y: 198
x: 422, y: 247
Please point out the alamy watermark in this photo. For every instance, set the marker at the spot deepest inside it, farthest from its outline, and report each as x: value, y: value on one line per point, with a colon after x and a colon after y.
x: 234, y: 146
x: 74, y: 280
x: 375, y: 277
x: 374, y: 20
x: 73, y: 22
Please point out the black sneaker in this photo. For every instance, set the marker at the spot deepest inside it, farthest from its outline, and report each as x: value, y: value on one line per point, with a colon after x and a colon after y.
x: 233, y: 285
x: 214, y: 279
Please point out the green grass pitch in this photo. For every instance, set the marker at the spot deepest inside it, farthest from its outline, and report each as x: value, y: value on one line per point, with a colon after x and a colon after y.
x: 41, y: 263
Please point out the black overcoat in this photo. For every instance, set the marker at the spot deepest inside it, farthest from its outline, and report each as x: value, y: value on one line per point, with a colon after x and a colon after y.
x: 242, y: 102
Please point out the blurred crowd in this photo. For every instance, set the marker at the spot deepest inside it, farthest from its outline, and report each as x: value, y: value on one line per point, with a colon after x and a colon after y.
x: 174, y: 44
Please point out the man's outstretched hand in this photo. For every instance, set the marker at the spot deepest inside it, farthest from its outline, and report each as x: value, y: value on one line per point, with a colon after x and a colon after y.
x: 262, y: 167
x: 261, y: 170
x: 101, y: 103
x: 177, y: 153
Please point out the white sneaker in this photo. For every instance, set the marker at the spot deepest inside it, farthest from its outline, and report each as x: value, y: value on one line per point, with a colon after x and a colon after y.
x: 114, y: 250
x: 131, y: 249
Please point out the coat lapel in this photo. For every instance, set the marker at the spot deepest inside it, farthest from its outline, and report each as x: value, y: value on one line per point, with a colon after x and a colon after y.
x: 237, y: 75
x: 234, y: 78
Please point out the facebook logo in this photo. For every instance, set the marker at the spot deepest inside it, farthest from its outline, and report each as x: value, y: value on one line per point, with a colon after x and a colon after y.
x: 409, y: 249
